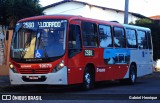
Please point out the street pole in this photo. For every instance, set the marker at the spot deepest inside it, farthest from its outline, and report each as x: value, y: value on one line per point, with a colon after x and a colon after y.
x: 126, y: 12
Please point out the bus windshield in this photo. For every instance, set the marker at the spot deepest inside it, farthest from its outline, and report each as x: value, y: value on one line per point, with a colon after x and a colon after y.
x: 43, y: 39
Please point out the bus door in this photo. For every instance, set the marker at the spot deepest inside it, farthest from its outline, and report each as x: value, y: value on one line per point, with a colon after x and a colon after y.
x: 143, y: 52
x: 150, y: 56
x: 149, y: 53
x: 75, y: 72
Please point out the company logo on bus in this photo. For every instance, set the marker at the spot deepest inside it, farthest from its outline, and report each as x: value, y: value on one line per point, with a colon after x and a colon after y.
x: 26, y: 66
x: 101, y: 70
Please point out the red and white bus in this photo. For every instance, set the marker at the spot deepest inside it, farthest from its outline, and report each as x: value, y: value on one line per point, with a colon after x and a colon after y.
x: 66, y: 50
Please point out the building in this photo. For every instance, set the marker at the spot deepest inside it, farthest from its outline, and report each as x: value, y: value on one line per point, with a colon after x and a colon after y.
x: 85, y: 9
x: 156, y: 18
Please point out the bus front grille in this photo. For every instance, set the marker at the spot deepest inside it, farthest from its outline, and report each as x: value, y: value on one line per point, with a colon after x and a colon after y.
x: 34, y: 71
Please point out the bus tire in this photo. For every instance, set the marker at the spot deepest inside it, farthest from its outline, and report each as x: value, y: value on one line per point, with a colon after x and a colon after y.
x: 132, y: 75
x: 88, y: 79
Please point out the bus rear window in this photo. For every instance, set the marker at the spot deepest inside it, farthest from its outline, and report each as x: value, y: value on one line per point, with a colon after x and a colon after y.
x: 142, y: 39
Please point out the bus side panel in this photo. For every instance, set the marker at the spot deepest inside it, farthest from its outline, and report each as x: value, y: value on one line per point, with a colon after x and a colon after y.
x: 117, y: 61
x: 75, y: 69
x: 103, y: 71
x: 120, y: 71
x: 97, y: 60
x: 143, y: 60
x: 75, y: 75
x: 78, y: 63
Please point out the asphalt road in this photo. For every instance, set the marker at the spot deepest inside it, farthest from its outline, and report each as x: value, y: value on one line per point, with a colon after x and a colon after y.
x: 147, y: 88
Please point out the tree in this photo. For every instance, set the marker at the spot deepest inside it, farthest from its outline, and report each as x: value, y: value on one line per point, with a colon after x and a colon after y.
x: 155, y: 30
x: 144, y: 21
x: 3, y: 16
x: 13, y: 10
x: 18, y: 9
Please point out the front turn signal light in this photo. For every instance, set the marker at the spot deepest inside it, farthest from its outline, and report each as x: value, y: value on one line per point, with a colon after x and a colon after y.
x: 59, y: 66
x: 12, y: 68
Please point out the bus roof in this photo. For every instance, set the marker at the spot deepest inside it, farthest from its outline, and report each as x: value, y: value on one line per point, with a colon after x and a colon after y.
x: 69, y: 18
x: 48, y: 17
x: 136, y: 27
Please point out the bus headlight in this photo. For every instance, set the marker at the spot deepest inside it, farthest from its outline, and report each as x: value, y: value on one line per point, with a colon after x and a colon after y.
x: 12, y: 68
x: 59, y: 66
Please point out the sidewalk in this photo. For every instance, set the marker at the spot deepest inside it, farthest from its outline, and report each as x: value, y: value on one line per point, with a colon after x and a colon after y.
x: 4, y: 81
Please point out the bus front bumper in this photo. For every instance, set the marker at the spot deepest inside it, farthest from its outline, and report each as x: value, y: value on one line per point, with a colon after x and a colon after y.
x: 58, y: 78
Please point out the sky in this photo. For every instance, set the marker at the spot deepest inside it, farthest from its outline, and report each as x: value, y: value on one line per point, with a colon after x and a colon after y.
x: 145, y: 7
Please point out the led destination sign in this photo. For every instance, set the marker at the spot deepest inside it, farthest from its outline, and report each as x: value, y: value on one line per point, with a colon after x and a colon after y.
x: 49, y: 24
x: 44, y: 24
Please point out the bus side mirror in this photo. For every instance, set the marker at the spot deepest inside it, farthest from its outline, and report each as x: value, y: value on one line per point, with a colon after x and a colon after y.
x: 7, y: 35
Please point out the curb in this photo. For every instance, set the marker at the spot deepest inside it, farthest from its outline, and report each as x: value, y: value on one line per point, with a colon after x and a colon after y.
x: 4, y: 81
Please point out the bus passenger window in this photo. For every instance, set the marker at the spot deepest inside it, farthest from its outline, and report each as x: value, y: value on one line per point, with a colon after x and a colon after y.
x: 142, y: 40
x: 131, y: 38
x: 119, y: 39
x: 89, y: 32
x: 74, y: 40
x: 105, y: 36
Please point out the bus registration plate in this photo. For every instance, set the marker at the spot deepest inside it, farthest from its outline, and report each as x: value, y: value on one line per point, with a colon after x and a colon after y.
x: 33, y: 77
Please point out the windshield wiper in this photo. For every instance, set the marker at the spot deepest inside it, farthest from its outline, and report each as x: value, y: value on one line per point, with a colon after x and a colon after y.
x: 21, y: 53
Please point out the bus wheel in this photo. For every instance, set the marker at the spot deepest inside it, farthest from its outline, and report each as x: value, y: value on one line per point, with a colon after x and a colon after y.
x: 132, y: 75
x: 88, y: 80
